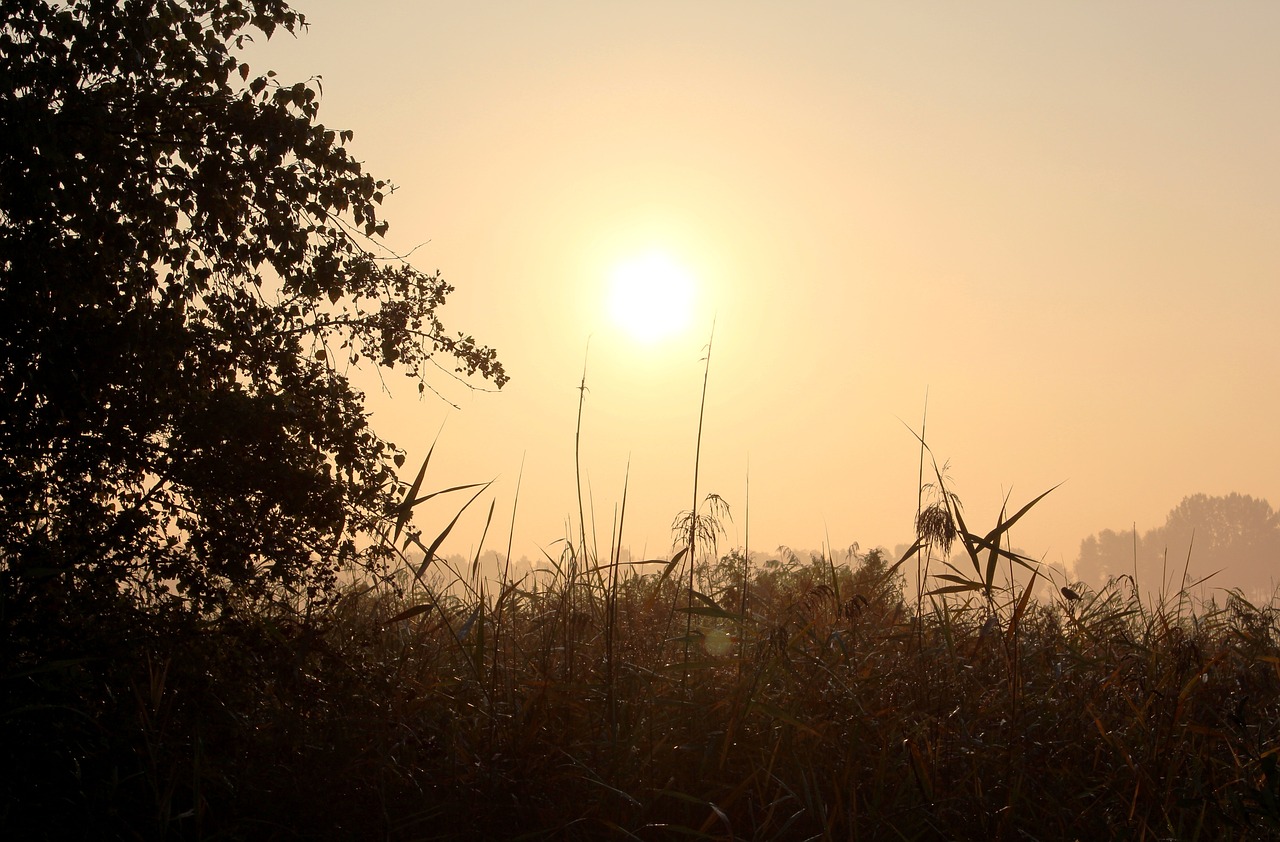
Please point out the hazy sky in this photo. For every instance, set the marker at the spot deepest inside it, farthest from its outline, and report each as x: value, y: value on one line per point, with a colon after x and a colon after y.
x: 1062, y: 220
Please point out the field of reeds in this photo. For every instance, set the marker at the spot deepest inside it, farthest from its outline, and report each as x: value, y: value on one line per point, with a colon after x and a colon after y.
x: 703, y: 695
x: 706, y: 695
x: 795, y: 699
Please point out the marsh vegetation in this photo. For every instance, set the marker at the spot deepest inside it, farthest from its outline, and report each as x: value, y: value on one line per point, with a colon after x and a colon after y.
x: 219, y: 618
x: 789, y: 699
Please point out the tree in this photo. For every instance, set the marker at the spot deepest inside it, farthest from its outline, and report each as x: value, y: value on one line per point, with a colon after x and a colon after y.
x: 1235, y: 533
x: 186, y: 272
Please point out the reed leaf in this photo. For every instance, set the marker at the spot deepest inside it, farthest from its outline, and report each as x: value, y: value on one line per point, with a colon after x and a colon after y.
x: 407, y: 614
x: 430, y: 552
x: 475, y: 564
x: 671, y: 565
x: 405, y: 510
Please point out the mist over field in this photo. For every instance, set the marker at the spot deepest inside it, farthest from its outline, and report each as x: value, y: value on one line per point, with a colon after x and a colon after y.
x: 761, y: 422
x: 1052, y: 226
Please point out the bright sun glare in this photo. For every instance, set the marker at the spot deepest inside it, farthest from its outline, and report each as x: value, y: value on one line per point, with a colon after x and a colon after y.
x: 651, y: 297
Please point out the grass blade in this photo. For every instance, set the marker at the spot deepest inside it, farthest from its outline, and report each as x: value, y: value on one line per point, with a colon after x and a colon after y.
x: 671, y: 565
x: 475, y: 564
x: 407, y: 614
x: 430, y: 552
x: 406, y: 507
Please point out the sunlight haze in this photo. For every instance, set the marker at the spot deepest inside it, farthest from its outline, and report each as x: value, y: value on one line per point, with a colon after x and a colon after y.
x: 1059, y: 221
x: 651, y: 297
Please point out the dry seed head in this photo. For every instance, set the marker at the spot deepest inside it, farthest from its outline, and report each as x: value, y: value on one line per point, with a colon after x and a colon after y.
x: 935, y: 526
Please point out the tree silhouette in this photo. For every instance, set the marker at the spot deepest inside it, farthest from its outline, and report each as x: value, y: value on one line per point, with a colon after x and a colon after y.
x: 187, y: 269
x: 1236, y: 533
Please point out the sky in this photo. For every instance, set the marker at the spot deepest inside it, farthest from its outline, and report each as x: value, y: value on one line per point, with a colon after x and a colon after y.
x: 1059, y: 221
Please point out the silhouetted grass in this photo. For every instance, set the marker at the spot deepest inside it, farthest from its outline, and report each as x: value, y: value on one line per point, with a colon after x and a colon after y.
x: 696, y: 696
x: 562, y: 707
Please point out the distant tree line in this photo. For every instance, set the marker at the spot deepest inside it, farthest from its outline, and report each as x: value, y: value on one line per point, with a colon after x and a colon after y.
x: 1236, y: 534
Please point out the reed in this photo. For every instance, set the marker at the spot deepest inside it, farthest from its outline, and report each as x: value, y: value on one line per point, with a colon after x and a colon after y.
x: 809, y: 698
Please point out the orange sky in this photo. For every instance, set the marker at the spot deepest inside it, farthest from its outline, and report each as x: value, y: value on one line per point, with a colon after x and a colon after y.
x: 1061, y: 220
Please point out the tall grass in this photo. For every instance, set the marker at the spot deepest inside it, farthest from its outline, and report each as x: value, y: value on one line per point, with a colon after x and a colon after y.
x: 798, y: 698
x: 1100, y: 717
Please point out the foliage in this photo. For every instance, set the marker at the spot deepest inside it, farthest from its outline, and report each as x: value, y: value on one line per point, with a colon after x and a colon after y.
x: 187, y: 274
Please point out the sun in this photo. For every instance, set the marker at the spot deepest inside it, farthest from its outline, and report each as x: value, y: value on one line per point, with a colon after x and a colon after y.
x: 651, y: 297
